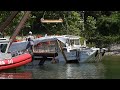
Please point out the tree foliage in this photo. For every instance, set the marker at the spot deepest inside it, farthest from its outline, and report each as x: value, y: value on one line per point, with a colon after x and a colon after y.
x: 101, y: 27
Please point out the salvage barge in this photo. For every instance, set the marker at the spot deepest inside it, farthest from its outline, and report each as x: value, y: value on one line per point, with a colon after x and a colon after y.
x: 65, y: 48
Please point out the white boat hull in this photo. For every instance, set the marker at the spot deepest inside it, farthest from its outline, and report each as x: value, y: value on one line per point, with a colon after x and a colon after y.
x: 80, y: 55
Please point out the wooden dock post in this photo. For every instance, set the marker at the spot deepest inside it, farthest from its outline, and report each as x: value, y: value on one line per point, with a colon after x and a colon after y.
x: 60, y: 46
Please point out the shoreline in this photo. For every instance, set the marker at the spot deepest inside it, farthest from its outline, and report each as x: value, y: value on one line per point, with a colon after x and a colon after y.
x: 113, y: 53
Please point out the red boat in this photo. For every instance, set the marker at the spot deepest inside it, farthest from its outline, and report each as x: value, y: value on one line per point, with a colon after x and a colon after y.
x: 10, y: 60
x: 15, y: 61
x: 7, y: 58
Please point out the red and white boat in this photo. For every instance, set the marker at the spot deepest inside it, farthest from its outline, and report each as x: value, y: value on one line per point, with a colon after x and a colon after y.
x: 9, y: 60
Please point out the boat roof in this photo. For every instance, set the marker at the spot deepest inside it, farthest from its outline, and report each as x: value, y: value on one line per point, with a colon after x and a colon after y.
x: 62, y: 38
x: 4, y: 40
x: 17, y: 46
x: 71, y: 37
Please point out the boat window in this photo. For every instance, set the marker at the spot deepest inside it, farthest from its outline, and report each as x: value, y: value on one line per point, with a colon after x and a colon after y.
x: 67, y: 42
x: 3, y: 47
x: 72, y: 42
x: 77, y: 42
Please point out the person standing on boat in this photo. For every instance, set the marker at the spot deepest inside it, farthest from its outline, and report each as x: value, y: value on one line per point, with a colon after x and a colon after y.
x: 30, y: 36
x: 31, y: 42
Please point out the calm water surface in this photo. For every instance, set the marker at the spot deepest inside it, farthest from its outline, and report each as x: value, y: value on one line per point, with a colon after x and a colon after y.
x: 109, y: 68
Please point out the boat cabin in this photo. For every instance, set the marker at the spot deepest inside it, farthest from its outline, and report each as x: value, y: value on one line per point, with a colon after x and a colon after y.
x: 3, y: 46
x: 72, y: 42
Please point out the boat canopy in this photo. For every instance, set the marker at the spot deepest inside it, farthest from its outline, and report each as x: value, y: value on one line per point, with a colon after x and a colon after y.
x: 62, y: 38
x: 18, y: 46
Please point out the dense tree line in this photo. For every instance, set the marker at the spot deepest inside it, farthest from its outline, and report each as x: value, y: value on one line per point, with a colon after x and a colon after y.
x: 101, y: 28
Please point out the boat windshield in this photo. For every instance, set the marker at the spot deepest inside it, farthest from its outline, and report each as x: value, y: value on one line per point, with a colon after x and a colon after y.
x: 73, y: 42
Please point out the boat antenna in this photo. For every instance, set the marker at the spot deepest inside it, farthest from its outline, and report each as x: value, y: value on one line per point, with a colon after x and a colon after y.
x: 43, y: 14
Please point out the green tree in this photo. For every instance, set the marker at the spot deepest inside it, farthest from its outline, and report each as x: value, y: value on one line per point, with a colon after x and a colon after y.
x: 90, y: 27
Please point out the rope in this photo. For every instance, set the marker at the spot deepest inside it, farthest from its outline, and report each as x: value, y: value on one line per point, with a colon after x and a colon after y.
x: 63, y: 26
x: 43, y: 14
x: 46, y: 28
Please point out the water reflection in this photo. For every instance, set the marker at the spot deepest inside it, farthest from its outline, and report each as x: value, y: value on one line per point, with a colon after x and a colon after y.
x: 109, y: 68
x: 112, y: 67
x: 85, y: 71
x: 68, y: 71
x: 22, y: 75
x: 57, y: 71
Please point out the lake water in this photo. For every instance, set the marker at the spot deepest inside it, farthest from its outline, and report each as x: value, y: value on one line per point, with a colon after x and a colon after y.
x: 109, y: 68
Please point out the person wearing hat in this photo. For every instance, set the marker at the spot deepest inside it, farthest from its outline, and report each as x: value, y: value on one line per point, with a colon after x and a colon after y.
x: 31, y: 42
x: 30, y: 36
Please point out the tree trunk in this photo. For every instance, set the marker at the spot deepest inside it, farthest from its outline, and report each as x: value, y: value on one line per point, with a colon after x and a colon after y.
x: 20, y: 25
x: 8, y: 20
